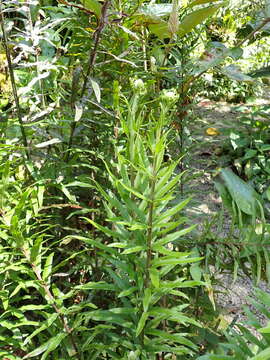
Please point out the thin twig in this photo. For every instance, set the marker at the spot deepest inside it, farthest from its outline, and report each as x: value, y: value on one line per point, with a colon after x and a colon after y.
x: 97, y: 37
x: 92, y: 59
x: 77, y: 7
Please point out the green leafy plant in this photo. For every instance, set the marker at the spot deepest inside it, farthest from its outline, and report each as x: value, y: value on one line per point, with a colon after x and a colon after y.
x: 140, y: 272
x: 248, y: 148
x: 146, y: 268
x: 241, y: 342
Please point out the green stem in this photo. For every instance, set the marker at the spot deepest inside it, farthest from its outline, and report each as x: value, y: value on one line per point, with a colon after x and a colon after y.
x: 150, y: 223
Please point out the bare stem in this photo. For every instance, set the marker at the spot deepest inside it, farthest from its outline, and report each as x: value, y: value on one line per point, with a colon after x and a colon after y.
x: 97, y: 37
x: 92, y: 60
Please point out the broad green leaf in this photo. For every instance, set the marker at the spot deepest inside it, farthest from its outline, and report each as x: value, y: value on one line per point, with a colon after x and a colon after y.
x: 122, y: 283
x: 79, y: 184
x: 181, y: 284
x: 161, y: 29
x: 236, y: 53
x: 195, y: 272
x: 179, y: 293
x: 33, y: 307
x: 195, y: 18
x: 241, y: 192
x: 134, y: 355
x: 165, y: 174
x: 225, y: 195
x: 93, y: 5
x: 262, y: 72
x: 141, y: 323
x: 154, y: 11
x: 234, y: 72
x: 40, y: 195
x: 36, y: 251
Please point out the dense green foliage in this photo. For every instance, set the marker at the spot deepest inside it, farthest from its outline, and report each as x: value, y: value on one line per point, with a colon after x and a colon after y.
x: 98, y: 259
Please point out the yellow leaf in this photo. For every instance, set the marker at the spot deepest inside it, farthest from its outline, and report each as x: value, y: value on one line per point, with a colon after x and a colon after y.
x: 212, y: 131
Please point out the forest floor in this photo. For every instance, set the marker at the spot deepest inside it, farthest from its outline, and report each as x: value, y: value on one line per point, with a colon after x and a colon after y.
x: 204, y: 159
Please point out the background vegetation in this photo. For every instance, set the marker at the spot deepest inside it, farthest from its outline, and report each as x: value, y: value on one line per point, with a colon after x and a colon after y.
x: 98, y: 257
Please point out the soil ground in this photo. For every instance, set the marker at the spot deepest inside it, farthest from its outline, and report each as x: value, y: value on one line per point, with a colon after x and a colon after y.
x: 206, y: 203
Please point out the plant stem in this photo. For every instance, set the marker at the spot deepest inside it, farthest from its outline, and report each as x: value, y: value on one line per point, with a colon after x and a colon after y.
x: 45, y: 287
x: 150, y: 222
x: 97, y: 37
x: 92, y: 60
x: 13, y: 84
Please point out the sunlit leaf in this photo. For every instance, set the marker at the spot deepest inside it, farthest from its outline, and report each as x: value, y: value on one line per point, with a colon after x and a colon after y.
x: 212, y: 131
x: 48, y: 143
x: 233, y: 72
x: 200, y: 2
x: 141, y: 323
x: 96, y: 89
x: 92, y: 5
x: 195, y: 18
x: 50, y: 345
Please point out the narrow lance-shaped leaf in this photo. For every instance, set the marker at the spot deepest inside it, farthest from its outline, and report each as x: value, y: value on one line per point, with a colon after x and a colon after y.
x: 51, y: 343
x: 47, y: 271
x: 96, y: 89
x: 141, y: 323
x: 200, y: 2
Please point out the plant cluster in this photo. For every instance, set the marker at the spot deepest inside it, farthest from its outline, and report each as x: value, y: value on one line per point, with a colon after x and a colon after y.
x: 97, y: 257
